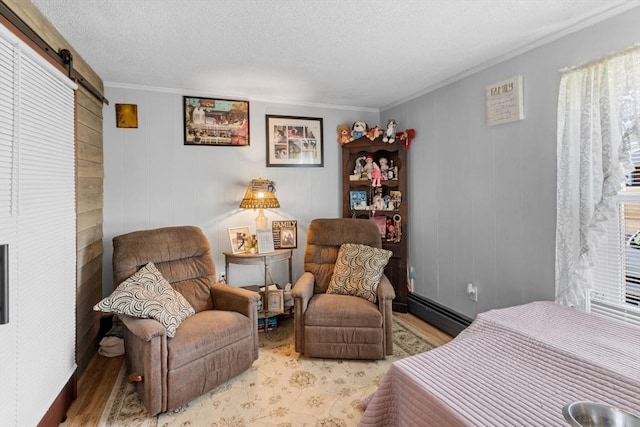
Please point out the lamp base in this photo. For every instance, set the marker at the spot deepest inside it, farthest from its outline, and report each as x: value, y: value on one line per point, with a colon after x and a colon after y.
x: 261, y: 221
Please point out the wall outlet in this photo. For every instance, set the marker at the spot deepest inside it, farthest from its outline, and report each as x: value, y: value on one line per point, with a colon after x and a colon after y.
x: 472, y: 292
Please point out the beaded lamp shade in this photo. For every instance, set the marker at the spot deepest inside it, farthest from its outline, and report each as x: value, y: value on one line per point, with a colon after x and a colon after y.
x: 260, y: 195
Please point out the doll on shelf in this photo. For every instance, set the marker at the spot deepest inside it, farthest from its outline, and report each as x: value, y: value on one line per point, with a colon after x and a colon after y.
x: 391, y: 230
x: 384, y: 167
x: 373, y: 171
x: 378, y: 203
x: 376, y: 176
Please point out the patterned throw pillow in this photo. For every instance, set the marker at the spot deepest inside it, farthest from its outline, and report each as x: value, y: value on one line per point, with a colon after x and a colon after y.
x: 358, y: 271
x: 148, y: 295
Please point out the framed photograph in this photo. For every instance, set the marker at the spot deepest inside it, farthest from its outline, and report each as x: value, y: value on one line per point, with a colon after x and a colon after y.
x: 276, y: 301
x: 285, y: 234
x: 127, y: 115
x: 294, y: 141
x: 396, y: 199
x: 358, y: 199
x: 238, y: 237
x: 211, y: 121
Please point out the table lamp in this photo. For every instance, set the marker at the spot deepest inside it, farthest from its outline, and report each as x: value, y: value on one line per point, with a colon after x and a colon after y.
x: 259, y: 195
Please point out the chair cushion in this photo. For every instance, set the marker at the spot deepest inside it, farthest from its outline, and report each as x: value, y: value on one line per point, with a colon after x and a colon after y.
x: 204, y: 333
x: 343, y: 311
x: 182, y: 254
x: 147, y: 294
x: 358, y: 271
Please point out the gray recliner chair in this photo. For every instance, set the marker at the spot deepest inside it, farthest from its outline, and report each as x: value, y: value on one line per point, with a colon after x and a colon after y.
x: 340, y: 326
x: 215, y: 344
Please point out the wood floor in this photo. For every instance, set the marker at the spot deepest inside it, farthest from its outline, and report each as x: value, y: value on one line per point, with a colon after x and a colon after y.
x: 97, y: 381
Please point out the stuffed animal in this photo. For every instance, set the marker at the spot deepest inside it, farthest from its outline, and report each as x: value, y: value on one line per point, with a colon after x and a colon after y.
x: 374, y: 132
x: 390, y: 133
x: 344, y: 134
x: 359, y: 129
x: 407, y: 136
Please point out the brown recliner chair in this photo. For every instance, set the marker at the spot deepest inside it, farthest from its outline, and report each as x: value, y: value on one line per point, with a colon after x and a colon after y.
x: 215, y: 344
x: 340, y: 326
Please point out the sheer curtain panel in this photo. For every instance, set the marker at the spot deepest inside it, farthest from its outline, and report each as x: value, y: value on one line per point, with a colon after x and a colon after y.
x: 595, y: 140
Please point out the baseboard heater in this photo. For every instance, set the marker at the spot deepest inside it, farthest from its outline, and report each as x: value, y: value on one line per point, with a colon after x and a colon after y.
x: 438, y: 315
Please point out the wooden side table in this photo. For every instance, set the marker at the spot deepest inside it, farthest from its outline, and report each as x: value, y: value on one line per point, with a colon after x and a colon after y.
x: 265, y: 260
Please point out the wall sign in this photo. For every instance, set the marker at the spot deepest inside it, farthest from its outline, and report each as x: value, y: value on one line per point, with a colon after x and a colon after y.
x: 504, y: 101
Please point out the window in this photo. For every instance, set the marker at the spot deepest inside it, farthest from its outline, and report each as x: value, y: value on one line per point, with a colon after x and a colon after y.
x: 616, y: 288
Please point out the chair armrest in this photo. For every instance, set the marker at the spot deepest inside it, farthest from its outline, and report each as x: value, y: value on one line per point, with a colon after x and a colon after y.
x: 386, y: 294
x: 302, y: 292
x: 385, y: 289
x: 145, y: 329
x: 230, y: 298
x: 145, y: 342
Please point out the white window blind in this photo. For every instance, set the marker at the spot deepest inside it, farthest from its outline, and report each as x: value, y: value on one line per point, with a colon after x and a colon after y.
x: 7, y: 99
x: 616, y: 289
x: 37, y: 220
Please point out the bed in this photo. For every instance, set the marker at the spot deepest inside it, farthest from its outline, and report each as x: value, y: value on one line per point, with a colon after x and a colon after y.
x: 516, y: 366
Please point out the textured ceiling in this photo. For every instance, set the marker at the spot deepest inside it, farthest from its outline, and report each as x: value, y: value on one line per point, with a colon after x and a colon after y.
x: 354, y: 53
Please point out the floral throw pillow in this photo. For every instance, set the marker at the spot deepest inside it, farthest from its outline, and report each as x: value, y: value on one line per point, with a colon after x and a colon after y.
x: 358, y: 271
x: 146, y: 294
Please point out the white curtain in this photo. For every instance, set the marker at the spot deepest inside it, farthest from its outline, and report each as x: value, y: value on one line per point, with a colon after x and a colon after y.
x: 594, y: 146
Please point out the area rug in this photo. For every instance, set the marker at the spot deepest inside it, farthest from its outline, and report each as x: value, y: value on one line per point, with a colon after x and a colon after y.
x: 281, y: 389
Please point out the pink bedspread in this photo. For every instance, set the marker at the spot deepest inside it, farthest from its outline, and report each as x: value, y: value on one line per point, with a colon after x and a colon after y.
x: 513, y: 367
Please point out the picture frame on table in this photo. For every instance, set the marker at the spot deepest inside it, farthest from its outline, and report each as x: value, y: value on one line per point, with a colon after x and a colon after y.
x: 285, y: 234
x: 294, y: 141
x: 214, y: 121
x: 239, y: 236
x: 275, y: 303
x: 265, y: 241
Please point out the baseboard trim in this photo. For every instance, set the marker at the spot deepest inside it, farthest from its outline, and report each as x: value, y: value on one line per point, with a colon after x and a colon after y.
x: 438, y: 315
x: 399, y: 307
x: 57, y: 412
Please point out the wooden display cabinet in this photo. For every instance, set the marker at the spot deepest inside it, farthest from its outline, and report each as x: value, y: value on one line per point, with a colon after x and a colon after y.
x: 388, y: 206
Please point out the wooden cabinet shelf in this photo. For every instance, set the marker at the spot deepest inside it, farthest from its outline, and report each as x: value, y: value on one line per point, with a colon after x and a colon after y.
x: 387, y: 204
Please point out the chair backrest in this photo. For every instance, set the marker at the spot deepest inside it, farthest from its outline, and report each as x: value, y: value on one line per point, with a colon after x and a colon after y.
x: 324, y: 238
x: 181, y: 254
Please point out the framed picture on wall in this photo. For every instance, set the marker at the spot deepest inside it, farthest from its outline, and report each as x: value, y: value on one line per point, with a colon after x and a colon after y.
x: 211, y: 121
x: 294, y: 141
x: 127, y: 115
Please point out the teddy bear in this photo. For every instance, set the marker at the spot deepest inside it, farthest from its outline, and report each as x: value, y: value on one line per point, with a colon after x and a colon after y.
x: 359, y: 129
x: 344, y: 134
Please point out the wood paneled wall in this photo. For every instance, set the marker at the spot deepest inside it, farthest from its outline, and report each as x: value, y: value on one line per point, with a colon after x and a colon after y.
x: 89, y: 196
x: 90, y: 174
